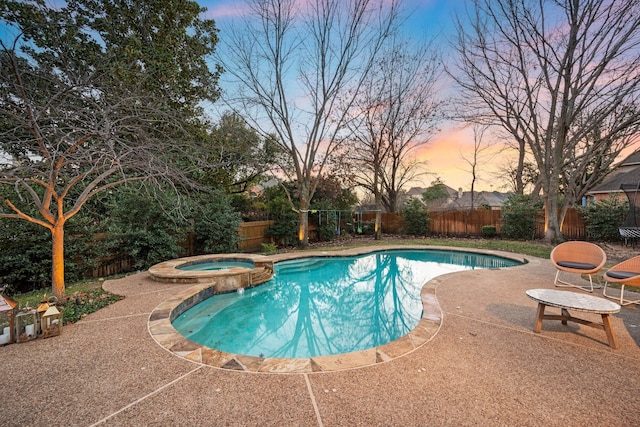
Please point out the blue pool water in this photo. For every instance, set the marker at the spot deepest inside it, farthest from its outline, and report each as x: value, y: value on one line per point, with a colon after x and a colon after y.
x: 323, y: 306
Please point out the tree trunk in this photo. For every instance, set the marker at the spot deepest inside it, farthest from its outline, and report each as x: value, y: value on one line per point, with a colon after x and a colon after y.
x: 57, y: 268
x: 377, y: 230
x: 552, y: 232
x: 393, y: 201
x: 303, y: 231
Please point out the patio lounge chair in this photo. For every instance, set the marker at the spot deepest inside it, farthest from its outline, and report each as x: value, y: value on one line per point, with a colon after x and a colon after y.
x: 577, y: 258
x: 625, y: 273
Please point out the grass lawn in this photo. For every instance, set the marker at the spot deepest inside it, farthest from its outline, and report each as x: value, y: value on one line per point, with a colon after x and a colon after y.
x: 533, y: 248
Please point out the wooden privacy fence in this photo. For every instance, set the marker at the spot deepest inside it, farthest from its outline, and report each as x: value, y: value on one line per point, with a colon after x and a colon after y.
x: 110, y: 266
x: 470, y: 223
x: 253, y: 235
x: 463, y: 223
x: 573, y: 227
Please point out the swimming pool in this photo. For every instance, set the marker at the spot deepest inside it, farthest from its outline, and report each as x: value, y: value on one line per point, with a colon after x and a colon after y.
x: 319, y: 306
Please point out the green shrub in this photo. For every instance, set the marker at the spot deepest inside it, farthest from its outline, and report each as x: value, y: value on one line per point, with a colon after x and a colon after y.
x: 603, y: 218
x: 269, y: 248
x: 327, y: 230
x: 489, y: 231
x: 367, y: 228
x: 285, y: 228
x: 143, y: 228
x: 326, y: 220
x: 416, y: 218
x: 25, y: 259
x: 216, y: 224
x: 519, y: 216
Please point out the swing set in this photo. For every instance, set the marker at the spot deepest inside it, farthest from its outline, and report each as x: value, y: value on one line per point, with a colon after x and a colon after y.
x: 630, y: 229
x: 353, y: 220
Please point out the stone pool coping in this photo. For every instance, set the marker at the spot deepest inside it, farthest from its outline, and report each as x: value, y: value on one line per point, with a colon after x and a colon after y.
x: 169, y: 272
x: 163, y: 332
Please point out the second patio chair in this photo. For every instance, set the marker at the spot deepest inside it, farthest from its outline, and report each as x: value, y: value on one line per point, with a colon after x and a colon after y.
x: 625, y: 273
x: 577, y: 258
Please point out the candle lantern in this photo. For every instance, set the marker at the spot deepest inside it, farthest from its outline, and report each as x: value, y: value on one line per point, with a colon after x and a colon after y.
x: 51, y: 322
x: 26, y: 325
x: 41, y: 310
x: 8, y: 311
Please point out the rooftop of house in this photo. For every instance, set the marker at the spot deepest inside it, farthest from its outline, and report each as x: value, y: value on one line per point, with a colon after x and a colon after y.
x: 626, y: 172
x: 458, y: 199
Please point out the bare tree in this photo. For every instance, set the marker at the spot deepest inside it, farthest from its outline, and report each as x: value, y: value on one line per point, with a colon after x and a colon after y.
x: 77, y: 117
x: 395, y: 112
x: 289, y: 65
x: 478, y: 157
x: 521, y: 177
x: 562, y: 78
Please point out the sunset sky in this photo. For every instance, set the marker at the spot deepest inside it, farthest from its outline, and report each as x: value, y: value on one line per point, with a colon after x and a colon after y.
x: 443, y: 155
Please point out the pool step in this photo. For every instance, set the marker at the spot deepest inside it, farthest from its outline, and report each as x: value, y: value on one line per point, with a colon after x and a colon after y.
x: 260, y: 275
x: 301, y: 265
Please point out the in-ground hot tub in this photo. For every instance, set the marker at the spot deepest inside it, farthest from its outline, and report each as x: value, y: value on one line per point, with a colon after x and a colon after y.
x: 226, y: 272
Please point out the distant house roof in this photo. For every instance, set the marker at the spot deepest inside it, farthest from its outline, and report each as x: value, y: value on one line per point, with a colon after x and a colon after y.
x: 492, y: 199
x: 258, y: 189
x: 460, y: 200
x: 632, y: 159
x: 415, y: 192
x: 626, y: 172
x: 613, y: 183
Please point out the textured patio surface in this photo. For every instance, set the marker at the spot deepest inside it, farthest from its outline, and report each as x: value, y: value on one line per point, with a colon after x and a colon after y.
x: 484, y: 367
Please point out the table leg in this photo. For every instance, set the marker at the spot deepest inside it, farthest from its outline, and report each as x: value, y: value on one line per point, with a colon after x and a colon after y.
x: 539, y: 316
x: 608, y: 328
x: 566, y: 314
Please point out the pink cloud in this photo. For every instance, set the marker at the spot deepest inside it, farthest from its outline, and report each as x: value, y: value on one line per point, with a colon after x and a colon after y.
x: 444, y: 157
x: 232, y: 9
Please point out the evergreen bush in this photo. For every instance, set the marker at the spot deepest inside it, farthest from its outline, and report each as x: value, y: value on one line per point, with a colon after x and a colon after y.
x: 603, y: 218
x: 25, y: 259
x: 285, y: 228
x: 143, y: 227
x: 416, y: 218
x: 489, y: 231
x: 519, y: 216
x: 216, y: 225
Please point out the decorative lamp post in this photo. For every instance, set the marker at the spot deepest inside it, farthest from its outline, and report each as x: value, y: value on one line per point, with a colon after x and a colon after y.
x: 8, y: 311
x: 26, y: 325
x: 51, y: 322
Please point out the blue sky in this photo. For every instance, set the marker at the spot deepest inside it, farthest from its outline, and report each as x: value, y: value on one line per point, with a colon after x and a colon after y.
x: 426, y: 19
x: 426, y: 16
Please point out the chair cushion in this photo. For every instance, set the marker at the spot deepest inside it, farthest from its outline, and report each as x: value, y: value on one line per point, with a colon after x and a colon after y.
x: 621, y: 274
x: 576, y: 265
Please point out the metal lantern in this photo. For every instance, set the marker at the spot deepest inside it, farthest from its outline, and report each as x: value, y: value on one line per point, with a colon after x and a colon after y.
x: 26, y: 325
x: 41, y: 310
x: 8, y: 311
x: 51, y: 322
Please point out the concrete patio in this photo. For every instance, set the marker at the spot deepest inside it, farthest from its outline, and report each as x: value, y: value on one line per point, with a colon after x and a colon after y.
x: 485, y: 366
